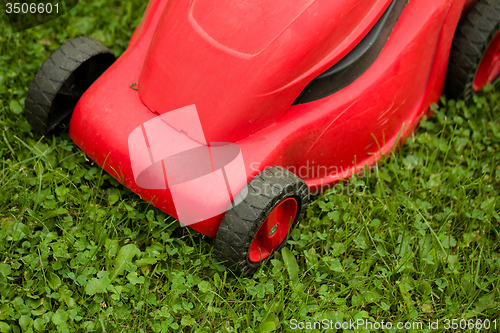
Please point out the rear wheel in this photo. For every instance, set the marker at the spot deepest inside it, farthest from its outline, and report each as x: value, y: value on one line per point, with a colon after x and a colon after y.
x: 62, y: 80
x: 475, y: 53
x: 259, y: 225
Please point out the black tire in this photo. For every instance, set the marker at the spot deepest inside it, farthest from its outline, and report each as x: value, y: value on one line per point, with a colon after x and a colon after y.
x: 61, y: 81
x: 473, y: 36
x: 240, y: 224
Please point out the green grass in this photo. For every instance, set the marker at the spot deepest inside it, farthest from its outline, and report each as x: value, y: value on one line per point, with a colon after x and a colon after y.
x: 418, y: 240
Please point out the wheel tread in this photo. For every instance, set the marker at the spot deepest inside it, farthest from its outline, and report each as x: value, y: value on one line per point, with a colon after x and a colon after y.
x: 51, y: 76
x: 473, y: 36
x: 241, y: 223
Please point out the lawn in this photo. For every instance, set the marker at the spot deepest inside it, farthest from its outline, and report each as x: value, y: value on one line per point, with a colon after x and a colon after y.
x: 417, y: 239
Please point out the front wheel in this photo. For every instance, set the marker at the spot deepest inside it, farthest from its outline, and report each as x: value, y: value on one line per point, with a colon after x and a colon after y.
x: 259, y: 225
x: 61, y: 81
x: 475, y: 53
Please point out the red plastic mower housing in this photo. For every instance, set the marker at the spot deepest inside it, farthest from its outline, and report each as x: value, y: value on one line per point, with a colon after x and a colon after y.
x: 251, y: 70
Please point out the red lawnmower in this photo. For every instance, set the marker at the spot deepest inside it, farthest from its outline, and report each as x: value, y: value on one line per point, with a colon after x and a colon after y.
x: 227, y: 114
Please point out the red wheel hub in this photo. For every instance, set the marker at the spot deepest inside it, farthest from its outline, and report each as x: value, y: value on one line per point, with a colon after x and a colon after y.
x: 273, y: 230
x: 489, y: 68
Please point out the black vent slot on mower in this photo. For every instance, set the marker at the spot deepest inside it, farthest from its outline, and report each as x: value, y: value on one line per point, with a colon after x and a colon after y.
x: 356, y: 62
